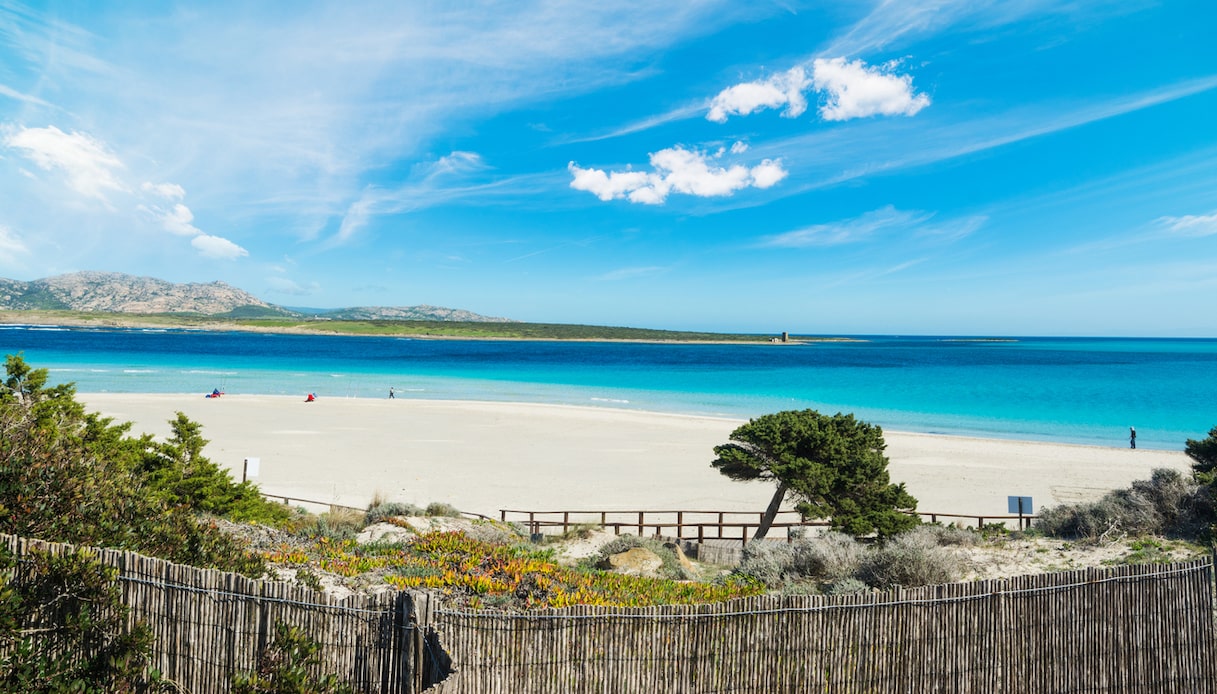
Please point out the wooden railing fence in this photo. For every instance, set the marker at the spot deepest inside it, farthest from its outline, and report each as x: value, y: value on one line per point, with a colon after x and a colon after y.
x: 697, y: 526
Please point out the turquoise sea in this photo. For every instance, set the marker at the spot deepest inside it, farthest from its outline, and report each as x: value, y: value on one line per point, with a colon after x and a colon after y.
x: 1075, y: 390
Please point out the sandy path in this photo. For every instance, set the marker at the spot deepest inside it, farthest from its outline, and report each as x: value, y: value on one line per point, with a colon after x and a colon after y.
x: 485, y: 456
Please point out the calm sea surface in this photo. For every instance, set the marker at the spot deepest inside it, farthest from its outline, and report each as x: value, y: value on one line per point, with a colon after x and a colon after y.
x: 1052, y: 389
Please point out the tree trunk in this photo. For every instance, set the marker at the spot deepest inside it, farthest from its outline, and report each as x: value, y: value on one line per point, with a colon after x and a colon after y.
x: 770, y: 513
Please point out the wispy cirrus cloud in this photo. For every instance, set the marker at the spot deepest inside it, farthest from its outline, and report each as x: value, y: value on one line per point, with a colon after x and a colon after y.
x: 895, y: 22
x: 87, y: 165
x: 876, y: 224
x: 628, y: 273
x: 855, y: 230
x: 430, y: 184
x: 1190, y: 225
x: 858, y: 153
x: 677, y: 170
x: 11, y: 245
x: 18, y: 96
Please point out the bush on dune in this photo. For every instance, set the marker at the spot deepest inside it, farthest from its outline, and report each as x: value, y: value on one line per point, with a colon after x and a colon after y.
x: 70, y: 476
x: 835, y: 563
x: 1167, y: 504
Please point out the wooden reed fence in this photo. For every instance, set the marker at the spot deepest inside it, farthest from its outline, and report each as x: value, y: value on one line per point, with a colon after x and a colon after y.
x: 1127, y: 629
x: 210, y: 624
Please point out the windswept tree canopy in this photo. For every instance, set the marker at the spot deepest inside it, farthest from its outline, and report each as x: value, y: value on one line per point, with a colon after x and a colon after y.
x: 1204, y: 457
x: 834, y: 466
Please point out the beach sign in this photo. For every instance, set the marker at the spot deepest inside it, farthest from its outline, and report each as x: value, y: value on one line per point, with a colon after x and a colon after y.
x: 1020, y: 505
x: 251, y: 468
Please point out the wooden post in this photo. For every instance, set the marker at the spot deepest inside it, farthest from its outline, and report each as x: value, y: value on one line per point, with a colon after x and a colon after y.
x: 680, y: 525
x: 641, y: 519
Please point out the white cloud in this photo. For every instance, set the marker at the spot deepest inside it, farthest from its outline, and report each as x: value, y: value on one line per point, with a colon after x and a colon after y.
x: 457, y: 162
x: 768, y: 173
x: 177, y: 220
x: 607, y: 186
x: 739, y: 148
x: 1191, y: 225
x: 678, y: 170
x: 10, y: 244
x: 215, y: 247
x: 851, y: 90
x: 854, y: 230
x: 857, y: 91
x: 785, y: 89
x: 89, y: 166
x: 171, y: 191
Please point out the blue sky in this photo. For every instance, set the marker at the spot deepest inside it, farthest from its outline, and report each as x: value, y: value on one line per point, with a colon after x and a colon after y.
x: 1012, y: 167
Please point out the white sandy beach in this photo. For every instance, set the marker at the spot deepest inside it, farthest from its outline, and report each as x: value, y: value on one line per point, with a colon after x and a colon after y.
x: 486, y: 456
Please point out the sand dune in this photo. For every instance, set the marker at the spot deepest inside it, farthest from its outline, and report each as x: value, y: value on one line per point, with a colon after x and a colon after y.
x: 486, y: 456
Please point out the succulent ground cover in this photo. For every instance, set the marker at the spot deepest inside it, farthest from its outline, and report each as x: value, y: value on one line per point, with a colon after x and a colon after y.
x: 481, y: 573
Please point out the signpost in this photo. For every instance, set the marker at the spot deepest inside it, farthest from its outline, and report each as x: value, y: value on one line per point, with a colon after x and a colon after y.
x: 251, y: 469
x: 1022, y: 506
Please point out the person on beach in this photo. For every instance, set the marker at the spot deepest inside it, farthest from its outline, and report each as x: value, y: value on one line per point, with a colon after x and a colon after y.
x: 310, y: 398
x: 390, y: 393
x: 1132, y: 437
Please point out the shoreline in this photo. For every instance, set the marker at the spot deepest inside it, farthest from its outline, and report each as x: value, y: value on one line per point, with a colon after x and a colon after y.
x: 157, y: 322
x: 483, y: 456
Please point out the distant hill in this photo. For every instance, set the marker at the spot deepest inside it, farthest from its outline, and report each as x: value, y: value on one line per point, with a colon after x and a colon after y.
x: 113, y: 292
x: 423, y: 312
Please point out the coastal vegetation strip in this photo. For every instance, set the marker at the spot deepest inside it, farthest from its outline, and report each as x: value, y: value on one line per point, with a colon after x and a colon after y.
x: 382, y: 327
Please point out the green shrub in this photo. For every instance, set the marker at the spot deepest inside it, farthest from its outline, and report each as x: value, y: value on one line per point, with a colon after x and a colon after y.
x: 847, y: 586
x: 337, y: 524
x: 1166, y: 504
x: 287, y: 667
x: 910, y: 559
x: 74, y: 477
x: 64, y: 628
x: 177, y: 472
x: 389, y: 509
x: 830, y: 556
x: 439, y: 509
x: 771, y: 563
x: 953, y: 535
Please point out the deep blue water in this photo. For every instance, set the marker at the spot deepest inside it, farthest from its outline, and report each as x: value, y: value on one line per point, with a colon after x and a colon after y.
x: 1079, y: 390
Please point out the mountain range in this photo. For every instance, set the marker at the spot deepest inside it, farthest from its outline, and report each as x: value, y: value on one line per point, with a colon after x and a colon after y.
x: 113, y: 292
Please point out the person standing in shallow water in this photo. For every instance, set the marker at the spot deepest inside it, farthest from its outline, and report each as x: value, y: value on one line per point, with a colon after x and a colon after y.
x: 1132, y: 437
x: 390, y: 393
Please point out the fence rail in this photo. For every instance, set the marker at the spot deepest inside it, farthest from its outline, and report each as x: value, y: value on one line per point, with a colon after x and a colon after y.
x: 695, y: 525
